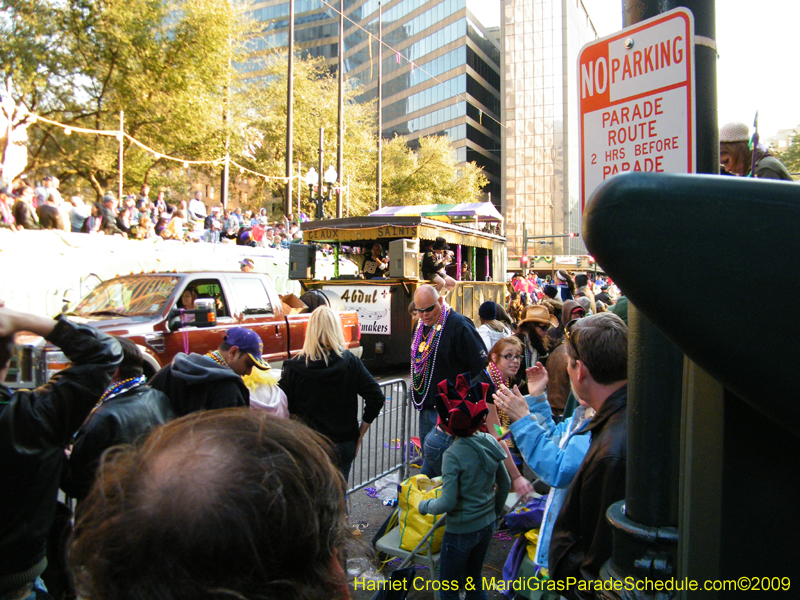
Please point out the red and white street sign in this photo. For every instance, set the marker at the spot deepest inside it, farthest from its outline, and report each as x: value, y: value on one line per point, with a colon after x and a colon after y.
x: 636, y: 98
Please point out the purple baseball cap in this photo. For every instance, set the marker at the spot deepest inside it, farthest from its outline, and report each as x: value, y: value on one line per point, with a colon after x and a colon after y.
x: 248, y: 342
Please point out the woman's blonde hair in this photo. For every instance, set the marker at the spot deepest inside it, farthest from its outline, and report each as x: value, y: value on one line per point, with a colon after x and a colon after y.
x: 324, y: 335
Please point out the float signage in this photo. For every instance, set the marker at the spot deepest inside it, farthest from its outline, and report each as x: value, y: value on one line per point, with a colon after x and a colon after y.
x: 373, y: 303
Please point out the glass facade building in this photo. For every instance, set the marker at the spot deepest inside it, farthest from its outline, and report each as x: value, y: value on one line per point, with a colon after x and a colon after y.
x: 453, y: 87
x: 541, y: 153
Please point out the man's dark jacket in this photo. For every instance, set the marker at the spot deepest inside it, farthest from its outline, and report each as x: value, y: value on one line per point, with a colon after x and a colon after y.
x: 24, y: 215
x: 195, y: 382
x: 123, y: 419
x: 581, y: 539
x: 108, y: 224
x: 461, y: 350
x: 35, y: 428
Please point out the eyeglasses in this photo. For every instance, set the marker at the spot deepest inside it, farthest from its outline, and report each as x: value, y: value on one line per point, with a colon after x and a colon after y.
x: 429, y: 309
x: 568, y: 336
x: 512, y: 357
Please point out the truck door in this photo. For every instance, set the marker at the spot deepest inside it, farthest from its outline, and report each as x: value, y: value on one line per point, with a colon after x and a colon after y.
x: 200, y: 340
x: 258, y: 314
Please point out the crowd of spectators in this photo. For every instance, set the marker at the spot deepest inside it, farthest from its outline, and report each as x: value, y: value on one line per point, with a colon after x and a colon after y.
x: 595, y: 293
x: 554, y: 396
x: 140, y: 217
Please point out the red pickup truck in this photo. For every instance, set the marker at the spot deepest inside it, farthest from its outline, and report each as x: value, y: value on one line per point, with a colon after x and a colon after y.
x: 146, y: 309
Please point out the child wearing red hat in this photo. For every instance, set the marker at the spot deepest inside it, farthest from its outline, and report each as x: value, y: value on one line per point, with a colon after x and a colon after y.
x: 474, y: 490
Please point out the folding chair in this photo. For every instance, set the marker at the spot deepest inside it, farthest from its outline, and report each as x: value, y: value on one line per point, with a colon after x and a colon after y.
x: 390, y: 544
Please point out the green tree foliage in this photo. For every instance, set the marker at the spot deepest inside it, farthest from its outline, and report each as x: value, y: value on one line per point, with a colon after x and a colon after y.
x: 171, y: 67
x: 315, y: 105
x: 80, y: 62
x: 791, y: 156
x: 428, y: 175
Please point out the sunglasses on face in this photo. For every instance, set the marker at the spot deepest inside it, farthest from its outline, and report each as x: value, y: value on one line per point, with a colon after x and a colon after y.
x: 568, y: 336
x: 429, y: 309
x: 543, y: 326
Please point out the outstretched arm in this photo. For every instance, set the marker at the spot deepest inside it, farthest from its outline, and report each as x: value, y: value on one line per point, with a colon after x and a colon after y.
x: 57, y: 409
x: 12, y: 321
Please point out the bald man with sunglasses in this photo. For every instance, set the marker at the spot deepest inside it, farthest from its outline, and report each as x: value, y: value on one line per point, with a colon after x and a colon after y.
x: 444, y: 345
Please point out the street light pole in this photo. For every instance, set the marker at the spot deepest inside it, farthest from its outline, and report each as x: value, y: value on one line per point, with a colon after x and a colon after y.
x: 379, y: 174
x: 290, y: 117
x: 312, y: 176
x: 340, y: 124
x: 120, y: 138
x: 319, y: 173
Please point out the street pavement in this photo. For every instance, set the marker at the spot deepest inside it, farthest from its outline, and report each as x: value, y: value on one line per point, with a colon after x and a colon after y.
x: 367, y: 514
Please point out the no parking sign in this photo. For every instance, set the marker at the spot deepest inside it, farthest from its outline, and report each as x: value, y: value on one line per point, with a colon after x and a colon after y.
x: 636, y: 97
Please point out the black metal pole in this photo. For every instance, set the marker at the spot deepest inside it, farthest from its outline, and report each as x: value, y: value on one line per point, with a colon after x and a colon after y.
x: 655, y: 372
x: 290, y: 115
x: 656, y: 387
x: 646, y: 523
x: 379, y: 174
x: 340, y: 126
x: 707, y: 132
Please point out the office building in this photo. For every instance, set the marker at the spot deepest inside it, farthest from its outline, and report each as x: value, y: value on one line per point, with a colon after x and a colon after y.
x: 452, y: 87
x: 541, y: 153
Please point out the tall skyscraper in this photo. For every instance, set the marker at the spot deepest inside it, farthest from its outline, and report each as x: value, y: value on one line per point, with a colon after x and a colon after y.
x: 453, y: 41
x: 541, y: 153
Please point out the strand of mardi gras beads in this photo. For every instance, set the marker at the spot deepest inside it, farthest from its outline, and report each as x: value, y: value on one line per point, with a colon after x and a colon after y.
x: 421, y: 349
x: 121, y: 387
x: 216, y: 357
x: 528, y: 352
x: 421, y: 378
x: 497, y: 380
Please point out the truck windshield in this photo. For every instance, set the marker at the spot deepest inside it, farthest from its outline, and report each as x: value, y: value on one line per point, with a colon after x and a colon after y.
x: 128, y: 296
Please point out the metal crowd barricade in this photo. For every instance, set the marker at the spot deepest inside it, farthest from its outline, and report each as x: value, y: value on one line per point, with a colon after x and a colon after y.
x: 386, y: 447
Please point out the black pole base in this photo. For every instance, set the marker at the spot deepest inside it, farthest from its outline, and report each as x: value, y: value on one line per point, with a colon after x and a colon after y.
x: 644, y: 561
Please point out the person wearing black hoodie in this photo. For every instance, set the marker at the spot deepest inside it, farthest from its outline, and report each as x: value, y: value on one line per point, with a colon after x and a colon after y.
x: 322, y: 385
x: 195, y: 382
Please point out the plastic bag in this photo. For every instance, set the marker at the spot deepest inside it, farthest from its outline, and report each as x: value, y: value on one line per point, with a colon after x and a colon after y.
x: 526, y: 517
x: 413, y: 526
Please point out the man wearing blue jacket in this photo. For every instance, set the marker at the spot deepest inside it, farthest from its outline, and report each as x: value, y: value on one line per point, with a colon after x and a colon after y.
x: 553, y: 452
x: 597, y: 349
